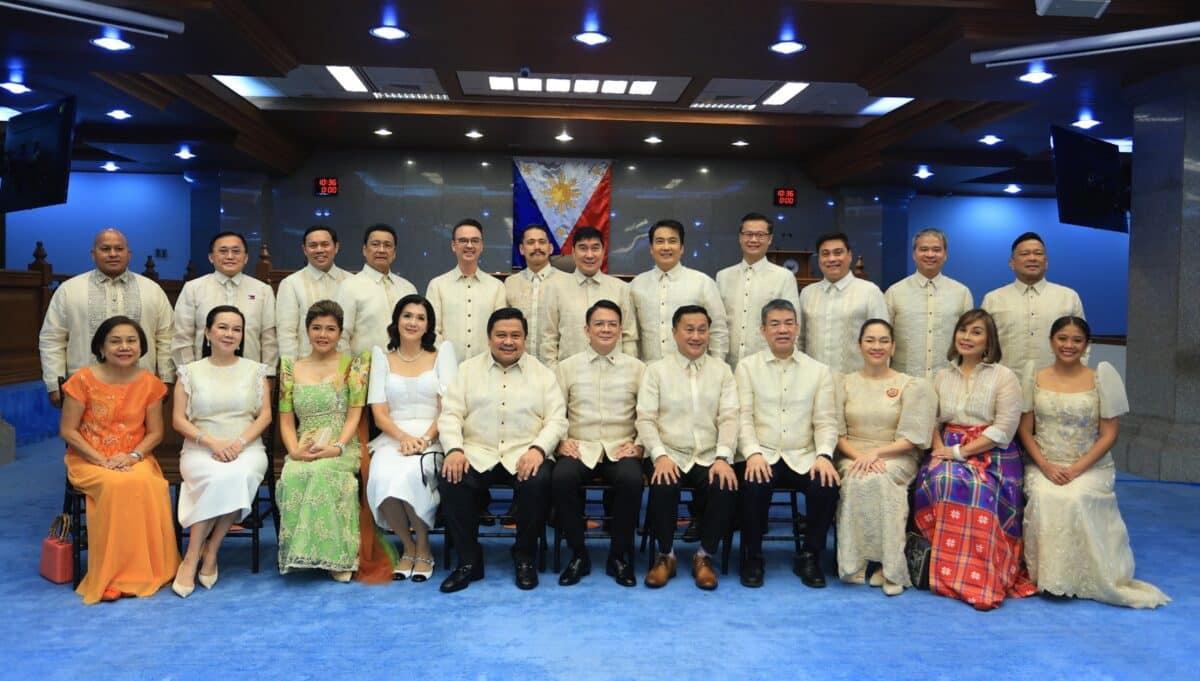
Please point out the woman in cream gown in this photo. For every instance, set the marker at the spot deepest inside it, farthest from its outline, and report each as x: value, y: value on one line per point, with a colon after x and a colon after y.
x: 885, y: 421
x: 1075, y: 541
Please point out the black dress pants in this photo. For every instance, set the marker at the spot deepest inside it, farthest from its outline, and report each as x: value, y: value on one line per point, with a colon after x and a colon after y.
x: 460, y: 509
x: 820, y: 503
x: 625, y: 477
x: 717, y: 508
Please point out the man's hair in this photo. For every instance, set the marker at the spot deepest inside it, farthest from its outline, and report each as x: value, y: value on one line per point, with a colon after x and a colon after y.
x: 834, y: 236
x: 778, y: 305
x: 466, y: 222
x: 931, y: 231
x: 602, y: 304
x: 1026, y: 237
x: 319, y: 228
x: 507, y: 313
x: 761, y: 218
x: 212, y: 243
x: 667, y: 224
x: 585, y: 233
x: 544, y: 229
x: 379, y: 227
x: 688, y: 309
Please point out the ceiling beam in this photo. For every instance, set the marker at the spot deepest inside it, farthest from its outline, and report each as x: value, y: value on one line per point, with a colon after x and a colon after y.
x: 982, y: 158
x: 138, y: 87
x: 988, y: 113
x: 589, y: 113
x: 258, y: 34
x: 944, y: 34
x: 102, y: 133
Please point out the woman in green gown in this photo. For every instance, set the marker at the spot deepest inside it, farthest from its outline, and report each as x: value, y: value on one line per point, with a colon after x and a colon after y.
x: 317, y: 492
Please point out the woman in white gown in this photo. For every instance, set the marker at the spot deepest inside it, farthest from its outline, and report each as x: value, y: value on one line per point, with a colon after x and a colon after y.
x: 222, y: 406
x: 405, y: 394
x: 885, y: 421
x: 1075, y: 541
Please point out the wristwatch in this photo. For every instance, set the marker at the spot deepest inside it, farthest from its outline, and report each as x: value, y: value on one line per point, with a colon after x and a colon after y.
x: 136, y: 455
x: 340, y: 447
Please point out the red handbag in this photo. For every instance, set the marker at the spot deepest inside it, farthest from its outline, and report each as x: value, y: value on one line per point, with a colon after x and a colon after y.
x: 56, y: 551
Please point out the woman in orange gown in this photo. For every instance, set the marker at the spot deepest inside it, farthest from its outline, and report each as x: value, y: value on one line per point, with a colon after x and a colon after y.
x: 111, y: 421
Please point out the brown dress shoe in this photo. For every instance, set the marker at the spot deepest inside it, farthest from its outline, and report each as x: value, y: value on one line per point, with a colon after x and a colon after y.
x: 662, y: 572
x: 702, y: 570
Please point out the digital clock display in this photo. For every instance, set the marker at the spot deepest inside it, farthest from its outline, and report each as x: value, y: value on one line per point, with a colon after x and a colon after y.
x: 785, y: 196
x: 325, y: 186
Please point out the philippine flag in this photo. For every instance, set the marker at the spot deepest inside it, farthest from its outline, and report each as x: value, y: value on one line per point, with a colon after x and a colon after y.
x: 561, y: 194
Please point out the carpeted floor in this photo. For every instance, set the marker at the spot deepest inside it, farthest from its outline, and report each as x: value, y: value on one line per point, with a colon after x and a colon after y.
x: 304, y: 626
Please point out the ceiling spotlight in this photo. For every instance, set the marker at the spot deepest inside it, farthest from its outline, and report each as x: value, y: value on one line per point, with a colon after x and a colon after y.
x: 484, y: 164
x: 1012, y: 189
x: 923, y: 172
x: 631, y: 167
x: 184, y: 153
x: 112, y: 43
x: 563, y: 137
x: 788, y: 47
x: 111, y: 167
x: 591, y: 38
x: 389, y: 33
x: 704, y: 170
x: 653, y: 139
x: 347, y: 78
x: 410, y: 162
x: 558, y: 85
x: 1086, y: 122
x: 119, y: 114
x: 474, y: 134
x: 1036, y: 74
x: 741, y: 143
x: 15, y: 87
x: 500, y: 82
x: 784, y: 94
x: 990, y: 140
x: 587, y: 86
x: 383, y: 132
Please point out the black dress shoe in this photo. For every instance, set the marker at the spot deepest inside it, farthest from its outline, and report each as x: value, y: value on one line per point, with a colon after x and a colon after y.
x: 807, y: 567
x: 691, y: 534
x: 621, y: 570
x: 577, y: 569
x: 462, y: 577
x: 752, y: 572
x: 527, y: 577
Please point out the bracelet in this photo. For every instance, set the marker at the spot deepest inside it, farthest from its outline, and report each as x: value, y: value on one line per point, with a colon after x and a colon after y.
x: 242, y: 442
x: 958, y: 455
x: 199, y: 436
x: 136, y: 455
x: 340, y: 447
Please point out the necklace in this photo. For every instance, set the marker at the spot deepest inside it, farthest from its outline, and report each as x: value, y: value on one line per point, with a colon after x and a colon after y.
x: 408, y: 359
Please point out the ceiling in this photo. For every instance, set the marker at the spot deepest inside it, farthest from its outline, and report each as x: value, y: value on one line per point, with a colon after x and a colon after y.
x: 431, y: 88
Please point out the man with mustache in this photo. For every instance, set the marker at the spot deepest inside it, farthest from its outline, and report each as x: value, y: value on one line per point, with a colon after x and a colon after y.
x: 368, y: 298
x: 317, y: 280
x: 526, y: 289
x: 465, y: 297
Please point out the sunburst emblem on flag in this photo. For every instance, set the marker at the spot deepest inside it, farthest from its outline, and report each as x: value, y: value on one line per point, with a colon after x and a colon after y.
x: 562, y: 193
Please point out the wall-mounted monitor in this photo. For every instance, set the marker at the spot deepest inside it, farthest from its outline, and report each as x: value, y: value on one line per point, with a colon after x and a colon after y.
x: 1091, y: 185
x: 36, y: 164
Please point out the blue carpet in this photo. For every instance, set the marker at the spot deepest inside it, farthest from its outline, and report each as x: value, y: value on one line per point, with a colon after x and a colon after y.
x: 304, y: 626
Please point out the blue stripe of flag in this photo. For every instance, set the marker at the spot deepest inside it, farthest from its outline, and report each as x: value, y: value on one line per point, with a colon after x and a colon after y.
x: 525, y: 212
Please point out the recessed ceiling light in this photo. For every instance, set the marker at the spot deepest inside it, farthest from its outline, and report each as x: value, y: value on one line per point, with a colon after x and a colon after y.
x: 529, y: 84
x: 741, y: 143
x: 1086, y: 122
x: 500, y: 82
x: 383, y: 132
x: 484, y: 164
x: 15, y: 87
x: 7, y: 113
x: 990, y: 140
x: 704, y: 170
x: 784, y: 94
x: 653, y: 139
x: 389, y: 33
x: 558, y: 85
x: 111, y: 167
x: 884, y: 105
x: 185, y: 153
x: 923, y: 172
x: 347, y: 78
x: 119, y: 114
x: 112, y: 43
x: 631, y: 167
x: 410, y: 162
x: 474, y: 134
x: 1012, y: 189
x: 788, y: 47
x: 1036, y: 74
x: 642, y: 87
x: 591, y: 38
x: 587, y: 86
x: 563, y: 137
x: 614, y: 87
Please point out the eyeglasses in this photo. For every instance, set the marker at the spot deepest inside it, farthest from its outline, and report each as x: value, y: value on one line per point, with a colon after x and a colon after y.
x: 230, y: 251
x: 473, y: 241
x: 381, y: 245
x: 760, y: 236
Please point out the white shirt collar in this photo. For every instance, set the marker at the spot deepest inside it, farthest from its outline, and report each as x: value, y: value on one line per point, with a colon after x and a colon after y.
x: 315, y: 273
x: 222, y: 279
x: 840, y: 284
x: 100, y: 277
x: 611, y: 357
x: 672, y: 273
x: 1023, y: 288
x: 543, y: 275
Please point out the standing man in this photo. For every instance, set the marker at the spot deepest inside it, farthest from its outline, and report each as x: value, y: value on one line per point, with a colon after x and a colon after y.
x: 788, y: 431
x: 834, y: 308
x: 687, y: 414
x: 750, y: 284
x: 924, y: 307
x: 600, y: 386
x: 465, y: 297
x: 367, y: 298
x: 568, y: 297
x: 1025, y: 309
x: 501, y: 419
x: 658, y: 293
x: 227, y: 285
x: 82, y: 302
x: 525, y: 290
x: 299, y: 290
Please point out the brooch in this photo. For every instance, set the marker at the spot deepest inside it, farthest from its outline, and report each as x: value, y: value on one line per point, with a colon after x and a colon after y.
x: 892, y: 392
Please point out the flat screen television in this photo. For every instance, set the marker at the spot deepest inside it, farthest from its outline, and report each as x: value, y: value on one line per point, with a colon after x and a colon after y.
x: 36, y: 164
x: 1092, y: 187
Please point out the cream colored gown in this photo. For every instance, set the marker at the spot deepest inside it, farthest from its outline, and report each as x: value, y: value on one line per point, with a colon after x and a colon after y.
x: 873, y: 509
x: 1076, y: 543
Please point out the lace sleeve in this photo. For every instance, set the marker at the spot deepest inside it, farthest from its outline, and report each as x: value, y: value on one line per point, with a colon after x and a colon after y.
x: 287, y: 379
x: 260, y: 378
x: 1113, y: 400
x: 918, y: 413
x: 1028, y: 382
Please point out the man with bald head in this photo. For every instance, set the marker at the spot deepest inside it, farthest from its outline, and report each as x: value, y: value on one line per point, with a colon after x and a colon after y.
x: 82, y: 302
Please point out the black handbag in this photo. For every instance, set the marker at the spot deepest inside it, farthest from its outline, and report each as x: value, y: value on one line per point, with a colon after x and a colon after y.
x: 917, y: 551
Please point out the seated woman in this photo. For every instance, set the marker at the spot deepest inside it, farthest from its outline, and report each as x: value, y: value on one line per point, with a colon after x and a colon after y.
x: 885, y: 420
x: 407, y: 383
x: 317, y: 493
x: 111, y: 421
x: 222, y: 405
x: 1075, y: 541
x: 968, y: 501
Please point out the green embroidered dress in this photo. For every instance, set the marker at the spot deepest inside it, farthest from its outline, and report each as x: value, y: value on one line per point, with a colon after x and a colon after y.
x: 318, y: 500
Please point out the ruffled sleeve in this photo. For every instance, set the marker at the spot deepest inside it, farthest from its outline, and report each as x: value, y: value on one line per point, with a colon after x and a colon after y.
x: 260, y: 378
x: 918, y: 412
x: 287, y: 379
x: 377, y: 388
x: 1113, y: 400
x: 1028, y: 382
x: 183, y: 374
x: 446, y: 366
x: 356, y: 379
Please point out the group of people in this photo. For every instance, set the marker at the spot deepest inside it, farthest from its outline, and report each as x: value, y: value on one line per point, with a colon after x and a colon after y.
x: 550, y: 380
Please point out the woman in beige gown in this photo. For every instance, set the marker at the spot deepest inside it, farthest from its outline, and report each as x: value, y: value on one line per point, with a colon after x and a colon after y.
x: 885, y: 421
x: 1075, y: 541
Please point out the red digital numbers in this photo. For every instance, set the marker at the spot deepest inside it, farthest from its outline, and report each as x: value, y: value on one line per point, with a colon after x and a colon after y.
x: 785, y: 196
x: 326, y: 186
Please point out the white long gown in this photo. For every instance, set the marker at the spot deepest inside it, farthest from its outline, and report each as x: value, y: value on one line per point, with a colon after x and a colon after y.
x: 412, y: 404
x: 222, y: 401
x: 1076, y: 543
